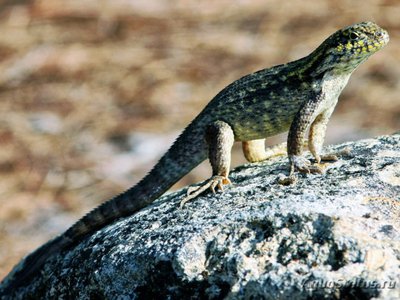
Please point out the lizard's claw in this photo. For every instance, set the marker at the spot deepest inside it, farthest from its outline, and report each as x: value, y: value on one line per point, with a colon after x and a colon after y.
x: 214, y: 182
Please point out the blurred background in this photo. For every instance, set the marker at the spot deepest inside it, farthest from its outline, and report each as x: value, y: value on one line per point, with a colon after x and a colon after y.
x: 93, y: 92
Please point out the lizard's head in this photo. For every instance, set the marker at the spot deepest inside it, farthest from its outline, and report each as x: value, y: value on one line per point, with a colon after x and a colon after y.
x: 350, y: 46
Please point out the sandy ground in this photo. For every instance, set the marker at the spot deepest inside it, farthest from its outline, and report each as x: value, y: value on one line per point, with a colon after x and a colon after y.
x: 93, y: 92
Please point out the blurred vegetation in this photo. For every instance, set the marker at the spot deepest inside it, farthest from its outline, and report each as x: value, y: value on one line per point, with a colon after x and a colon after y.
x: 93, y: 92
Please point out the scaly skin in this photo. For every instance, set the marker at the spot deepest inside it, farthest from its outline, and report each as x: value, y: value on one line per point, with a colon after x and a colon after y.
x: 296, y: 96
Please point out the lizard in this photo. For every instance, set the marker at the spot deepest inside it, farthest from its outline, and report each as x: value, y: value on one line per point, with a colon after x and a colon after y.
x: 298, y: 97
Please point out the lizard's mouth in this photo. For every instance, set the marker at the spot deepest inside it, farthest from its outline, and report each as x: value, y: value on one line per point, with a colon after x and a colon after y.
x: 380, y: 39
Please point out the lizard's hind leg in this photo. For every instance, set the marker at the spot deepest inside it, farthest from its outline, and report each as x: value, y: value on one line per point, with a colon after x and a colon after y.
x: 255, y: 150
x: 219, y: 137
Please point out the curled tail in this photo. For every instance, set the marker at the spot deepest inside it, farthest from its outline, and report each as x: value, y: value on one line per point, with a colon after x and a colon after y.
x: 186, y: 153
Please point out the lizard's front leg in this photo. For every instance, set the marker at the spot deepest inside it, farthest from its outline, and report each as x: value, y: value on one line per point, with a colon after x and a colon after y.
x: 316, y: 139
x: 220, y: 138
x: 301, y: 122
x: 317, y: 134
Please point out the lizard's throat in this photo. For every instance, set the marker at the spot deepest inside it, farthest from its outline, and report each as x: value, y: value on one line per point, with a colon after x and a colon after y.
x: 337, y: 65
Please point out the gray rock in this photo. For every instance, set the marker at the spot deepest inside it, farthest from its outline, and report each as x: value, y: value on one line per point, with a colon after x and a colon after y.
x: 329, y: 236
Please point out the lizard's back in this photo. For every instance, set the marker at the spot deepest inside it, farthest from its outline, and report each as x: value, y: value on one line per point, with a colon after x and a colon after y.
x: 264, y: 103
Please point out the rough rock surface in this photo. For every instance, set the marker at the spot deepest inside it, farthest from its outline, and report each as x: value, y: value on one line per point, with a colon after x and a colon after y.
x: 331, y: 236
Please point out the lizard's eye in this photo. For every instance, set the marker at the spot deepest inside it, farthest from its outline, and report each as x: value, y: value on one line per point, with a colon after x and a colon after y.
x: 378, y: 34
x: 353, y: 35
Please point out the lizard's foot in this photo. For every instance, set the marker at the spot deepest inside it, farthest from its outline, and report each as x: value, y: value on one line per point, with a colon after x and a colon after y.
x: 300, y: 164
x: 214, y: 182
x: 333, y: 156
x: 303, y: 165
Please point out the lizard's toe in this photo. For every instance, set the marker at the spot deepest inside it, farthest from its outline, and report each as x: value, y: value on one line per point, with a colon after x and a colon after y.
x: 218, y: 181
x: 329, y: 157
x: 286, y: 180
x: 335, y: 156
x: 314, y: 170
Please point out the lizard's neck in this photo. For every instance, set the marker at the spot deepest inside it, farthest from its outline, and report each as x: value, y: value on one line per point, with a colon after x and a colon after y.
x: 319, y: 71
x: 323, y: 61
